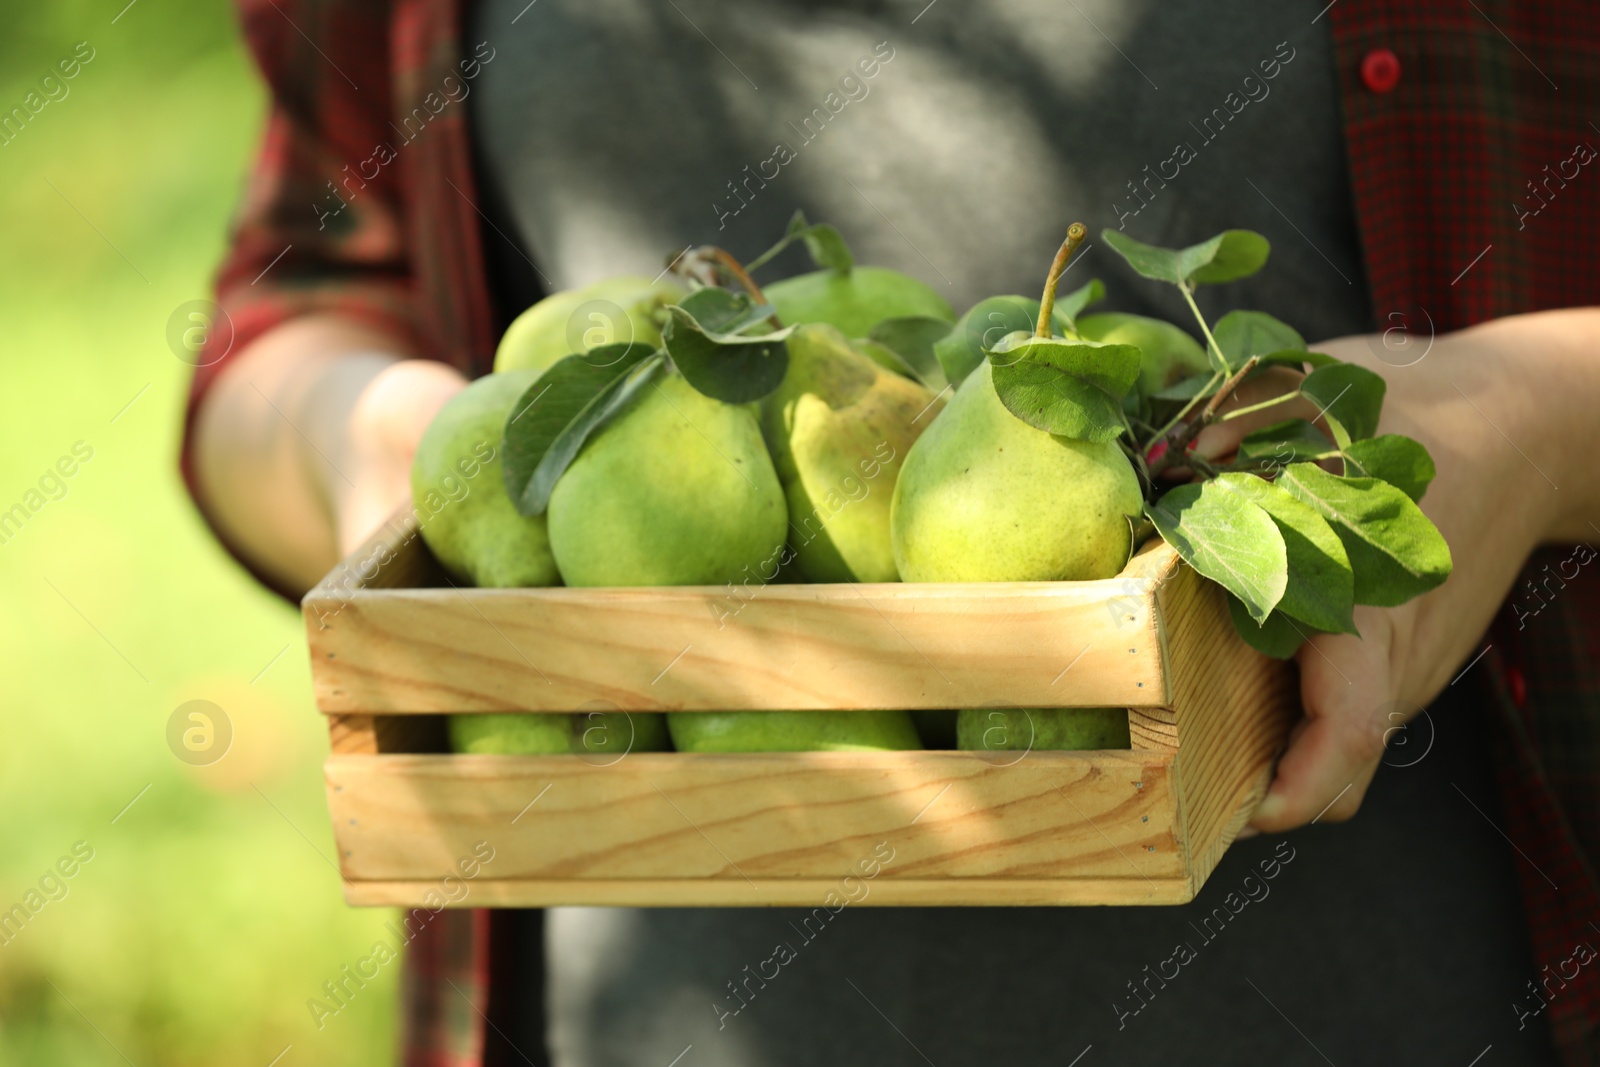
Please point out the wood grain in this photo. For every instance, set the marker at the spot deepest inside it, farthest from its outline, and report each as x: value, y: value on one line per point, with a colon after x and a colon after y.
x: 786, y: 647
x: 766, y: 819
x: 1233, y: 708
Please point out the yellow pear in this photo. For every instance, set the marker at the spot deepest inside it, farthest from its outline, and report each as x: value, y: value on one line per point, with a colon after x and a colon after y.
x: 839, y: 428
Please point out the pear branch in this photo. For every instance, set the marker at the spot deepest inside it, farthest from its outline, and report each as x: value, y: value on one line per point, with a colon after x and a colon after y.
x: 1178, y: 443
x: 1047, y: 304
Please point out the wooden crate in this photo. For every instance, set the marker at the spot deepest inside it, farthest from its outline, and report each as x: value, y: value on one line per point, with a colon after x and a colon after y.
x: 395, y: 646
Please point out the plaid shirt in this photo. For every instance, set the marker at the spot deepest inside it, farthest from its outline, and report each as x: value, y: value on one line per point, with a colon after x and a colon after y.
x: 1459, y: 172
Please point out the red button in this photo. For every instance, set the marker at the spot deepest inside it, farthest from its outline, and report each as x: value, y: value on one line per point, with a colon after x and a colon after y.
x: 1518, y: 685
x: 1380, y: 70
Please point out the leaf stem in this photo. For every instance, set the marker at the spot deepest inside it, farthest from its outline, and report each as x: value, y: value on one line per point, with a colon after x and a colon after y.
x: 764, y: 258
x: 1188, y: 295
x: 1236, y: 412
x: 1136, y: 457
x: 1047, y: 303
x: 1263, y: 464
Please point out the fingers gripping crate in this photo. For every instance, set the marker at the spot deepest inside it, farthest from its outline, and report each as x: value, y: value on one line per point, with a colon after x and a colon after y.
x: 395, y: 647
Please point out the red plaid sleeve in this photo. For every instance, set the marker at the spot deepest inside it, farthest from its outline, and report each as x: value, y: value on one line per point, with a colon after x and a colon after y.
x: 319, y: 226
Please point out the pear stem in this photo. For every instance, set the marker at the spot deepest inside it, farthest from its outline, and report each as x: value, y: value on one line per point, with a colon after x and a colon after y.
x: 742, y: 276
x: 735, y: 268
x: 1047, y: 304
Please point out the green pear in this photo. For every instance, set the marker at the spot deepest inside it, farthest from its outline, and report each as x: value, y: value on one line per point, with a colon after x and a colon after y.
x: 856, y: 300
x: 1032, y: 729
x: 465, y: 514
x: 576, y: 320
x: 1167, y: 353
x: 677, y: 489
x: 984, y: 497
x: 791, y: 731
x: 597, y: 733
x: 838, y: 429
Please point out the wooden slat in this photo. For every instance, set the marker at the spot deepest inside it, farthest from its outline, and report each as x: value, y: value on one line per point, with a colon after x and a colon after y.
x: 1040, y: 644
x: 1233, y: 710
x: 959, y: 818
x: 796, y: 893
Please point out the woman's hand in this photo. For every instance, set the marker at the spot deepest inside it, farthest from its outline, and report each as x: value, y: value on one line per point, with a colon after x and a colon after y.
x: 1504, y: 409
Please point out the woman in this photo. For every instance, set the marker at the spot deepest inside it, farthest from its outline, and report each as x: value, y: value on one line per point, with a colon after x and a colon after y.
x: 430, y: 169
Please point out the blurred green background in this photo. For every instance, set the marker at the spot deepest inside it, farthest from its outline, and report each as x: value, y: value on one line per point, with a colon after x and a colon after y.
x: 211, y: 909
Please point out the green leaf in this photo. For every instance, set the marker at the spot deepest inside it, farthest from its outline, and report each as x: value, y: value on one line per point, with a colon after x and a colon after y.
x: 1242, y: 334
x: 1321, y: 585
x: 1149, y: 261
x: 1071, y: 388
x: 1294, y: 357
x: 1070, y: 305
x: 1239, y: 254
x: 981, y: 328
x: 552, y: 420
x: 1397, y: 554
x: 1278, y: 636
x: 888, y: 359
x: 823, y: 241
x: 1189, y: 388
x: 722, y: 311
x: 912, y: 339
x: 827, y: 247
x: 1228, y: 539
x: 733, y: 368
x: 1285, y: 442
x: 1226, y: 257
x: 1402, y: 462
x: 1350, y: 397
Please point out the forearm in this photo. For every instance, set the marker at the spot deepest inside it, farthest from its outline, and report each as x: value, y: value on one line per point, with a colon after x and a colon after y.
x: 1544, y: 383
x: 305, y: 437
